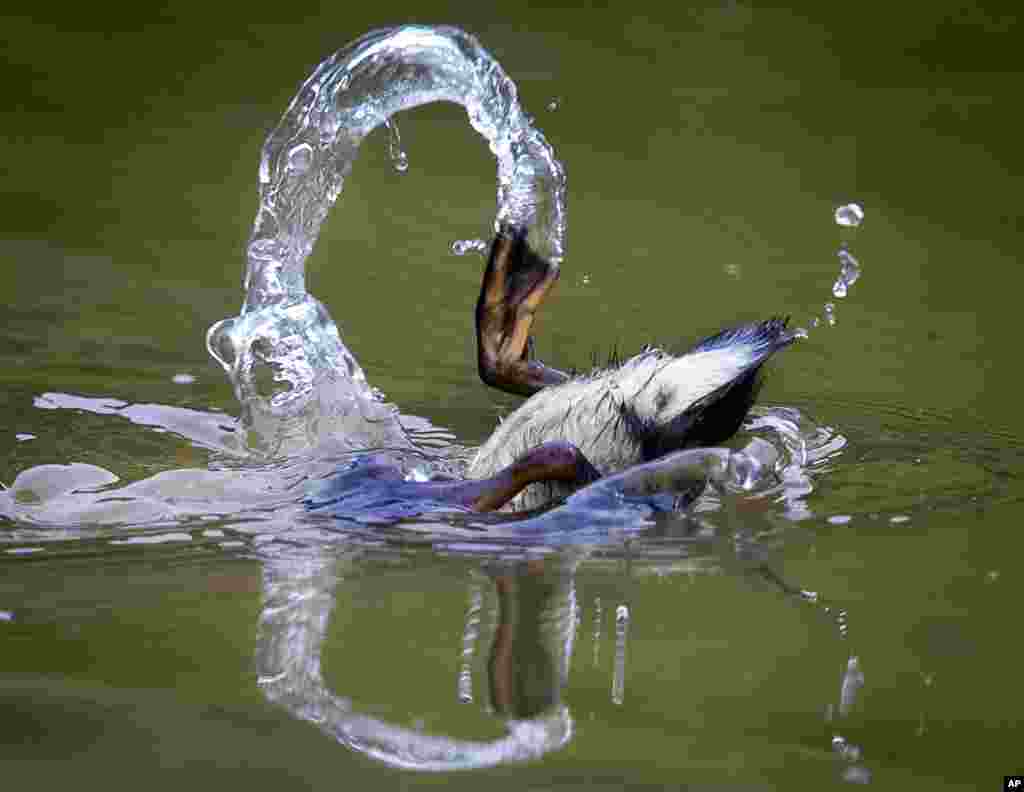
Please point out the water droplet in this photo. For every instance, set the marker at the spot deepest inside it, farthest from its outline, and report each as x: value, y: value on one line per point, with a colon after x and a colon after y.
x: 6, y: 616
x: 183, y: 379
x: 585, y: 280
x: 839, y: 519
x: 853, y: 681
x: 830, y: 314
x: 857, y: 774
x: 846, y: 750
x: 839, y: 288
x: 461, y: 247
x: 809, y: 596
x: 899, y: 518
x: 849, y: 267
x: 992, y: 575
x: 849, y: 216
x: 554, y: 104
x: 399, y: 159
x: 815, y: 321
x: 21, y: 437
x: 300, y: 158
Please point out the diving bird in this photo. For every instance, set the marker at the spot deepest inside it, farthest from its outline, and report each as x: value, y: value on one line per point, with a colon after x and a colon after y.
x: 629, y: 413
x: 572, y: 429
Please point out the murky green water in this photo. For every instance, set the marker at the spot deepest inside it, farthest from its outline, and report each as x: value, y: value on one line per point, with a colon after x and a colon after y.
x: 706, y: 152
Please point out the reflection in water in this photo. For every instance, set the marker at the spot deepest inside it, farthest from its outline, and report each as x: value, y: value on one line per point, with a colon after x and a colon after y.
x: 469, y: 638
x: 526, y: 656
x: 621, y: 636
x: 526, y: 662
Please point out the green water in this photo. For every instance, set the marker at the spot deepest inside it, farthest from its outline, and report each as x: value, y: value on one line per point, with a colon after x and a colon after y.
x: 706, y: 151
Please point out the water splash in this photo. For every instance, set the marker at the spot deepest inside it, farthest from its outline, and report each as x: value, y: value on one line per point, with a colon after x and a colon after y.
x: 283, y: 353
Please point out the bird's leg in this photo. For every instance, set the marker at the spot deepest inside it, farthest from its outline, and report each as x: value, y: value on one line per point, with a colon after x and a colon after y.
x: 555, y: 461
x: 515, y: 283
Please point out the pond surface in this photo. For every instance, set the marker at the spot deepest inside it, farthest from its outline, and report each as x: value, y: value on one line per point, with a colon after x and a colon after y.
x: 853, y: 625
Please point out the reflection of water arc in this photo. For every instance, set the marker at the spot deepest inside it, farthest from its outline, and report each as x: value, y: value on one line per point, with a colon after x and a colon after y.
x: 298, y: 596
x: 304, y: 164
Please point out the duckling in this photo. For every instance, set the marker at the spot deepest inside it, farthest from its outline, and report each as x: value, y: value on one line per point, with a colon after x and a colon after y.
x: 634, y: 412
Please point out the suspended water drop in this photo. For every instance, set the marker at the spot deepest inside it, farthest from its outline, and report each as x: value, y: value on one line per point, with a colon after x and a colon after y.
x: 554, y: 104
x: 399, y: 159
x: 585, y: 280
x: 183, y: 379
x: 597, y: 631
x: 849, y: 216
x: 849, y: 266
x: 839, y: 287
x: 857, y: 774
x: 461, y: 247
x: 300, y: 158
x: 815, y: 321
x: 853, y: 681
x: 830, y: 314
x: 21, y: 437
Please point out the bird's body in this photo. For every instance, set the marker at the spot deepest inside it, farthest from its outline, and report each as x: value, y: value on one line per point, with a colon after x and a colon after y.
x: 645, y: 407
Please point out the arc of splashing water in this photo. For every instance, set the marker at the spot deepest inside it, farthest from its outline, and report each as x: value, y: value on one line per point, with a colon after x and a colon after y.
x: 304, y: 164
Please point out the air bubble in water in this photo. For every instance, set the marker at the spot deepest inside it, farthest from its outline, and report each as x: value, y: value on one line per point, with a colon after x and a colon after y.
x: 849, y: 216
x: 462, y: 247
